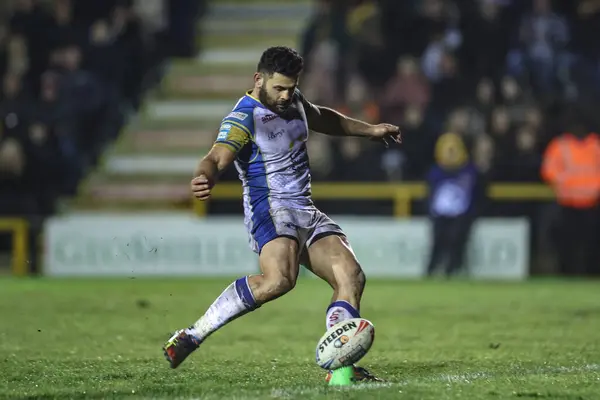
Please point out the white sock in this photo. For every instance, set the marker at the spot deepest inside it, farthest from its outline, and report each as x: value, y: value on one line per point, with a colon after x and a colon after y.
x: 340, y: 311
x: 235, y: 301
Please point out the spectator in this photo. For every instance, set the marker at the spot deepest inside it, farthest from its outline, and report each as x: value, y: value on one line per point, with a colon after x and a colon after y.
x: 533, y: 117
x: 572, y: 167
x: 43, y: 169
x: 481, y: 107
x: 456, y: 191
x: 407, y: 88
x: 104, y: 57
x: 31, y: 23
x: 543, y: 37
x: 62, y: 27
x: 4, y: 38
x: 319, y: 82
x: 486, y: 32
x: 14, y: 106
x: 585, y: 50
x: 517, y: 101
x: 484, y: 154
x: 15, y: 197
x: 522, y: 160
x: 528, y: 159
x: 329, y: 24
x: 365, y: 31
x: 500, y: 127
x: 458, y: 121
x: 17, y: 59
x: 449, y: 88
x: 411, y: 161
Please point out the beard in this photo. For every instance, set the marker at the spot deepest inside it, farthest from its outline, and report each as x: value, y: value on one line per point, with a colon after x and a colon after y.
x: 278, y: 107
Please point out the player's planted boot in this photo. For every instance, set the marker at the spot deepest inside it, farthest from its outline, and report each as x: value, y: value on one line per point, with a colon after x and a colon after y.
x: 179, y: 346
x: 348, y: 375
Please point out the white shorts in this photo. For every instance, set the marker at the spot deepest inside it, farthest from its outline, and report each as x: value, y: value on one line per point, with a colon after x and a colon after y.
x: 302, y: 225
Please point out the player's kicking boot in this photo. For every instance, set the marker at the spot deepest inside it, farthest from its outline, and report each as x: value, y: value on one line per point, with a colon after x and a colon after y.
x: 349, y: 375
x: 235, y: 301
x: 179, y: 346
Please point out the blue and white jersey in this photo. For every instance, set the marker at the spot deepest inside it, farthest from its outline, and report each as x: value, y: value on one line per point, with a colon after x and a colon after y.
x: 272, y: 158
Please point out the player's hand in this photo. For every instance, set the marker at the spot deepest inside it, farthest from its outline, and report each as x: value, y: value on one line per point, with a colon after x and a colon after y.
x: 386, y: 133
x: 201, y: 187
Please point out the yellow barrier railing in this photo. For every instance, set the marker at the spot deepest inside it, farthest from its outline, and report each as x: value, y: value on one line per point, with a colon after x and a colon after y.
x: 19, y: 229
x: 401, y: 194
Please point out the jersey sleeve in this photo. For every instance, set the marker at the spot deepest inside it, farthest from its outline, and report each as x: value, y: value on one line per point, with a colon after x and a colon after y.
x: 236, y: 130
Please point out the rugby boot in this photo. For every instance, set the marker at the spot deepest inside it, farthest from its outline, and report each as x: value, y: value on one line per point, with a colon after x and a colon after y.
x: 179, y: 346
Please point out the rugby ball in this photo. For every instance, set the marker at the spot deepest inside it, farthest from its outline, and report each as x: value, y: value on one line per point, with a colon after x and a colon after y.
x: 345, y: 343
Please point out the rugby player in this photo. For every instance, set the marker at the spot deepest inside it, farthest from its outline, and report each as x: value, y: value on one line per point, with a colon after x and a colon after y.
x: 265, y: 137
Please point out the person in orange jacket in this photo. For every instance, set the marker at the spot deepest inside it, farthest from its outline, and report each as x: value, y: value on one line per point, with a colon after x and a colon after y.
x: 571, y: 166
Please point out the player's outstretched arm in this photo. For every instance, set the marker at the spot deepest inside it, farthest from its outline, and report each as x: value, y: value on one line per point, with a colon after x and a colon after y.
x: 208, y: 170
x: 330, y: 122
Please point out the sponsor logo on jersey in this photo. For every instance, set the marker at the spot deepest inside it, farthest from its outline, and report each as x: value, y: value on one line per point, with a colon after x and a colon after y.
x: 238, y: 115
x: 225, y: 128
x: 334, y: 335
x: 222, y: 135
x: 275, y: 135
x: 268, y: 118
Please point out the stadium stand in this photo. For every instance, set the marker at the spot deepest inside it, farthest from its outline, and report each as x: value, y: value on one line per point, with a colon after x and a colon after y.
x: 471, y: 67
x: 502, y: 74
x: 74, y: 74
x: 498, y: 73
x: 151, y: 163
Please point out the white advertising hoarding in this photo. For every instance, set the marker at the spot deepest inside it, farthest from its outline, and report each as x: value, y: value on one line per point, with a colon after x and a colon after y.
x: 145, y: 244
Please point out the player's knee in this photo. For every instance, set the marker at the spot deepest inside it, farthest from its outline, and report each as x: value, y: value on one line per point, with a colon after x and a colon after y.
x: 279, y: 284
x: 286, y: 283
x: 279, y: 267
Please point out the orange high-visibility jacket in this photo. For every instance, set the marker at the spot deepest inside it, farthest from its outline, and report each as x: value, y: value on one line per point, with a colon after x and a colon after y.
x: 572, y: 167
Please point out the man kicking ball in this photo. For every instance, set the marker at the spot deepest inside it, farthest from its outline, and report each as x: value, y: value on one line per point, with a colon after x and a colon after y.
x: 265, y: 137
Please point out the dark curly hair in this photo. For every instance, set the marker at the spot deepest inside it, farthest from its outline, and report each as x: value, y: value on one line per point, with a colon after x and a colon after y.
x: 282, y: 60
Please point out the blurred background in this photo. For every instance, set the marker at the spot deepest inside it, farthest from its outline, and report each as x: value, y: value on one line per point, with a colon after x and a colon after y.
x: 107, y: 105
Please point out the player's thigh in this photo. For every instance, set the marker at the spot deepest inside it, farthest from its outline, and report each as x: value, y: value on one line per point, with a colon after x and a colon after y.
x: 276, y: 238
x: 279, y: 260
x: 332, y: 259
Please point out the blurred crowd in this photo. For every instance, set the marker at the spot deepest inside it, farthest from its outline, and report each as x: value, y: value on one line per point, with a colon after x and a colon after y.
x: 516, y: 82
x: 496, y: 72
x: 505, y: 78
x: 73, y: 72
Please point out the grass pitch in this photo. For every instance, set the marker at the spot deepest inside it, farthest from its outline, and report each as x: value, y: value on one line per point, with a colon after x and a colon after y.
x: 68, y: 339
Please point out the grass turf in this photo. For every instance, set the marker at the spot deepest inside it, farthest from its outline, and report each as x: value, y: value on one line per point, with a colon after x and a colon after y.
x: 435, y: 340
